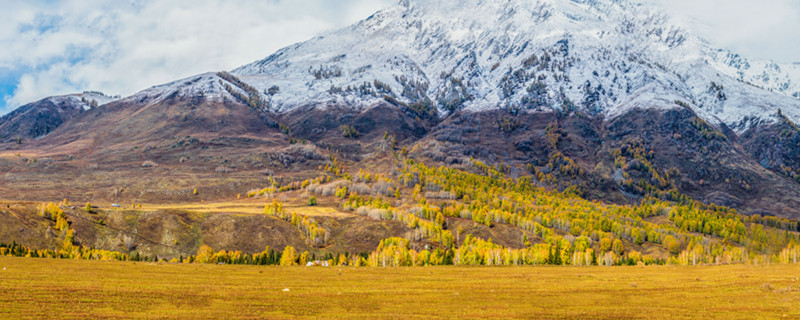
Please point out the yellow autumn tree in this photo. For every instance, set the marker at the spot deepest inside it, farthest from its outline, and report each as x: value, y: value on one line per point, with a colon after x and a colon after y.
x: 605, y: 244
x: 204, y: 254
x: 617, y: 247
x: 304, y: 258
x: 672, y: 244
x: 289, y: 256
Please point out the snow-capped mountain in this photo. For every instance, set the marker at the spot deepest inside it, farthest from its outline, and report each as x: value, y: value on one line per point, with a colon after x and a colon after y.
x: 209, y: 86
x: 84, y: 101
x: 502, y: 81
x: 41, y: 117
x: 599, y: 56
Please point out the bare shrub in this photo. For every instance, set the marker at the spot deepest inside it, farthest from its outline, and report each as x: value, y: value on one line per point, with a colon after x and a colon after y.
x: 361, y: 188
x: 432, y: 187
x: 341, y: 183
x: 445, y: 195
x: 414, y: 235
x: 305, y: 151
x: 362, y: 211
x: 378, y: 214
x: 129, y: 242
x: 375, y: 214
x: 328, y: 189
x: 414, y: 180
x: 416, y: 210
x: 322, y: 189
x: 222, y: 169
x: 382, y: 188
x: 314, y: 188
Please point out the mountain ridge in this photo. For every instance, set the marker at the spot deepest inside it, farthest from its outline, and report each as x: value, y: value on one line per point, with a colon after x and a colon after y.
x: 439, y: 55
x: 37, y: 119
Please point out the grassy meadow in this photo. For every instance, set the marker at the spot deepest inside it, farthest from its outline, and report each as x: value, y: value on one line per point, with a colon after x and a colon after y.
x: 76, y: 289
x: 253, y: 206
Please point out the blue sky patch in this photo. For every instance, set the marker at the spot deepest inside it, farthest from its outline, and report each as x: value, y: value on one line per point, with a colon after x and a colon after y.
x: 8, y: 83
x: 43, y: 23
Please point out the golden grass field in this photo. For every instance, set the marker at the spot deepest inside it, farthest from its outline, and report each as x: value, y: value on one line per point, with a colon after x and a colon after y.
x: 65, y: 289
x: 252, y: 206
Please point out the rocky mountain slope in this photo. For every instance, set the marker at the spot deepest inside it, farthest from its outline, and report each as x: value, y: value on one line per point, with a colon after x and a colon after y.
x: 603, y: 98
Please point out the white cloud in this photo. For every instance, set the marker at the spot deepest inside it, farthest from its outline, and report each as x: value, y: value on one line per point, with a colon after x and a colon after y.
x: 120, y: 47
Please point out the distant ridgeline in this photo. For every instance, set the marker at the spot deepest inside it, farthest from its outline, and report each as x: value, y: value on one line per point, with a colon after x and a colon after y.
x: 559, y: 228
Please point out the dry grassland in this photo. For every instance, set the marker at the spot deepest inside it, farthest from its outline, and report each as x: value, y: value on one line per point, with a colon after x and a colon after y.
x: 40, y: 288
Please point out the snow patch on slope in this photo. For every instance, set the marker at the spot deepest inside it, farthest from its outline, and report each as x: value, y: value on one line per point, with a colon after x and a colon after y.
x: 768, y: 75
x: 84, y: 101
x: 207, y: 85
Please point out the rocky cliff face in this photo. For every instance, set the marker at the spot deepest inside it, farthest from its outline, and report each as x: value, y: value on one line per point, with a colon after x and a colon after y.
x: 776, y: 147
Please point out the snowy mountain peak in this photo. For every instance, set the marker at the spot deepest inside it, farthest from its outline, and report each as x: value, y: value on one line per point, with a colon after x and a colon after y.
x: 509, y: 8
x: 84, y: 101
x: 596, y: 56
x: 37, y: 119
x: 216, y: 87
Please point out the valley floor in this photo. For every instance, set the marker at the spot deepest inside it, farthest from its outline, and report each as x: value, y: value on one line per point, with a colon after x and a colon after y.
x: 45, y: 288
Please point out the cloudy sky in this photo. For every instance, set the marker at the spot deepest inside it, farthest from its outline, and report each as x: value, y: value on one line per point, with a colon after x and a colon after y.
x: 52, y: 47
